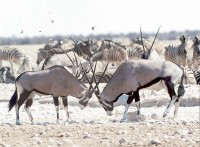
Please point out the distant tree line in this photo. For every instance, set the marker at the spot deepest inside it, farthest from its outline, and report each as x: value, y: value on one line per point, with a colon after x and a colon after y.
x: 172, y: 35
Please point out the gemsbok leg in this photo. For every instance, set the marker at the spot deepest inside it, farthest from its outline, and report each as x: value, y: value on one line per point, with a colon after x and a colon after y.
x: 28, y: 105
x: 22, y: 98
x: 170, y: 87
x: 65, y: 103
x: 56, y: 103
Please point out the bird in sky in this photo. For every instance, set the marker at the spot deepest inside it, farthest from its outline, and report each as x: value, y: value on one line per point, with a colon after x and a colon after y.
x: 22, y: 32
x: 93, y: 28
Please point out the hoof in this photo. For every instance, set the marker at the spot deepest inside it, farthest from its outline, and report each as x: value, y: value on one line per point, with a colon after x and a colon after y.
x: 32, y: 123
x: 68, y: 120
x: 18, y: 123
x: 57, y: 121
x: 123, y: 120
x: 164, y: 115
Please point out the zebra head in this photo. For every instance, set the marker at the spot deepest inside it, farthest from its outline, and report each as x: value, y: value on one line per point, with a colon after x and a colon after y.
x: 196, y: 41
x: 182, y: 39
x: 53, y: 44
x: 41, y: 55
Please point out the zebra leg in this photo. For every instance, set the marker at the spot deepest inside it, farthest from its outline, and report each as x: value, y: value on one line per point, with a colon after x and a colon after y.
x: 22, y: 98
x: 172, y: 94
x: 65, y: 103
x: 56, y: 103
x: 28, y: 105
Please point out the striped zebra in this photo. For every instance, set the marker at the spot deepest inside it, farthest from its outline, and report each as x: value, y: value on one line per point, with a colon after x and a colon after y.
x: 109, y: 44
x: 135, y: 51
x: 196, y: 53
x: 112, y: 55
x: 53, y: 44
x: 14, y: 55
x: 83, y: 49
x: 177, y: 54
x: 197, y: 76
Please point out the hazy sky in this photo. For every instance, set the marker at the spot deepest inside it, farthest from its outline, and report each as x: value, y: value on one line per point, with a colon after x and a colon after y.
x: 109, y: 16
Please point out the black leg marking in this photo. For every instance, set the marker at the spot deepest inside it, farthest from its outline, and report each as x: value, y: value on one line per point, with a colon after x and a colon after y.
x: 56, y: 103
x: 22, y: 98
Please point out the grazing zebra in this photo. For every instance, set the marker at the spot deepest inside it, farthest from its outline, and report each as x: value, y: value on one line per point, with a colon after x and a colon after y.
x: 177, y: 54
x: 5, y: 73
x: 135, y: 51
x: 109, y: 44
x: 112, y: 55
x: 147, y: 44
x: 197, y: 76
x: 14, y: 55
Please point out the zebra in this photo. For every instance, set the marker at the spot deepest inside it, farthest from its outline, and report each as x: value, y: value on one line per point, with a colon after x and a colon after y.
x: 13, y: 55
x: 109, y: 44
x: 135, y: 51
x: 195, y: 54
x: 53, y: 44
x: 197, y: 76
x: 147, y: 44
x: 5, y: 74
x: 177, y: 54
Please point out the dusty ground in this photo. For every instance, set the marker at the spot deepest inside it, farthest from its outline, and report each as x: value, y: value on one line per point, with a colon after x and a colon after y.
x: 92, y: 127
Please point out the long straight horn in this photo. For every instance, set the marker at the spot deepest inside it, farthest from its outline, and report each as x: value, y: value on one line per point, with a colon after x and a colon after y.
x: 141, y: 38
x: 101, y: 77
x: 155, y: 38
x: 93, y: 77
x: 87, y: 78
x: 70, y: 58
x: 93, y: 72
x: 73, y: 51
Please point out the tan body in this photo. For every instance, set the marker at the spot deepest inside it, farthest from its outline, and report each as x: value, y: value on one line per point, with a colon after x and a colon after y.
x: 55, y: 81
x: 135, y: 73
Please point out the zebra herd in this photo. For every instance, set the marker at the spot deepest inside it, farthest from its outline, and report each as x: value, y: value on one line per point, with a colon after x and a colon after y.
x: 108, y: 50
x: 116, y: 53
x: 87, y: 60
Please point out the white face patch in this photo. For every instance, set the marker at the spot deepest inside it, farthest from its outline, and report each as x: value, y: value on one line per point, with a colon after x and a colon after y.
x: 122, y: 100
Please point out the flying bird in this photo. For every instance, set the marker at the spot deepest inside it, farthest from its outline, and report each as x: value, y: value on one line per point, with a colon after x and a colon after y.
x: 93, y: 28
x: 52, y: 21
x: 40, y: 31
x: 22, y: 32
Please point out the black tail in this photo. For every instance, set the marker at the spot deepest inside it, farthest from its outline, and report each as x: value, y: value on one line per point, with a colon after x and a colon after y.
x: 13, y: 100
x: 181, y: 89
